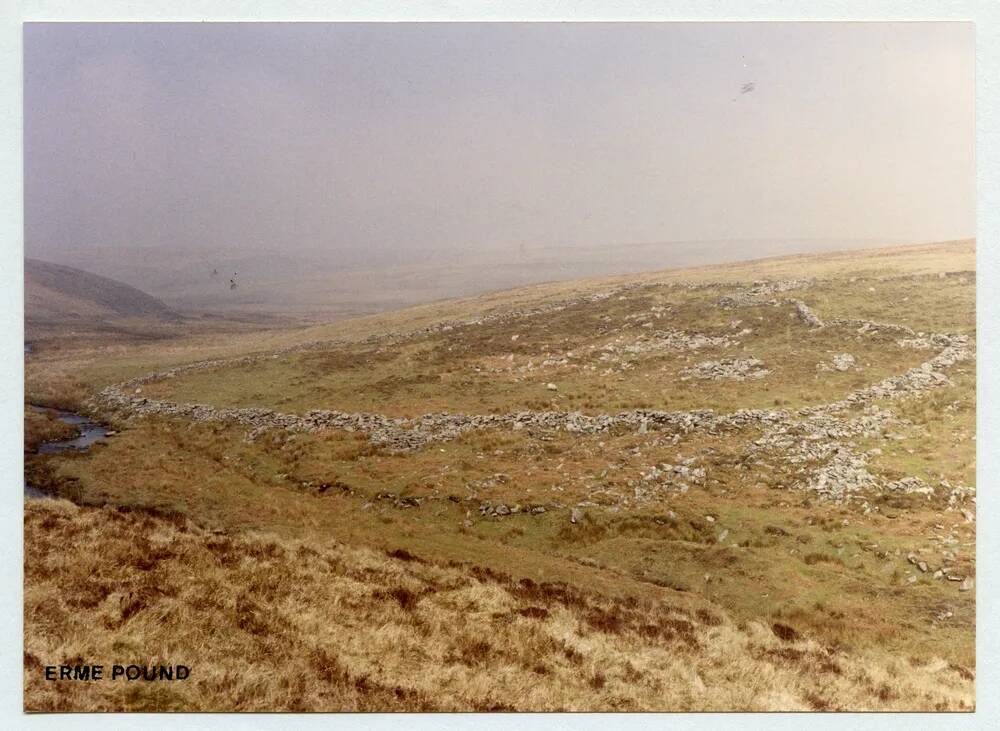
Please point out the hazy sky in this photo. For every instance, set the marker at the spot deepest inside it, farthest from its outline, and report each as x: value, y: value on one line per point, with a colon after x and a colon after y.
x: 374, y: 137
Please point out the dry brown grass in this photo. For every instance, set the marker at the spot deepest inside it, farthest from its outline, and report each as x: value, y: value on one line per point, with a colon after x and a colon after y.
x: 323, y: 626
x: 314, y: 486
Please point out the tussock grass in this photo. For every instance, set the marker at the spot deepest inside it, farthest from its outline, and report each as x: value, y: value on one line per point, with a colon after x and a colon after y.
x: 324, y: 626
x: 212, y: 475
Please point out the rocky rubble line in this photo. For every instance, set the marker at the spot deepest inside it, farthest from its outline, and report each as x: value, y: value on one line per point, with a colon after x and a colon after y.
x: 842, y: 473
x: 616, y: 355
x: 954, y: 348
x: 403, y: 434
x: 758, y: 293
x: 746, y: 299
x: 727, y: 369
x: 923, y: 377
x: 815, y: 438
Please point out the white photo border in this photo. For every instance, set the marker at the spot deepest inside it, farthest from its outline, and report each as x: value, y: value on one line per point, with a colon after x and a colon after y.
x: 986, y: 16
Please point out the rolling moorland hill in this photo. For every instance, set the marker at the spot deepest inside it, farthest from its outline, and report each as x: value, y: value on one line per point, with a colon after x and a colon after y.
x: 741, y: 487
x: 71, y: 309
x: 60, y: 294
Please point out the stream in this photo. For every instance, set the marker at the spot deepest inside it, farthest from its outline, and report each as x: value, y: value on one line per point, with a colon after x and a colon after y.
x: 88, y: 432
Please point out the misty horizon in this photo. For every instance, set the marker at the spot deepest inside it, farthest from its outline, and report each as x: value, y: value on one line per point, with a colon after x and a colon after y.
x: 315, y: 150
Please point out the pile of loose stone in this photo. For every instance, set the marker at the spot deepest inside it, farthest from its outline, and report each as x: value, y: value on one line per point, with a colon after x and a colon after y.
x: 840, y: 362
x: 668, y: 477
x: 822, y: 446
x: 844, y: 474
x: 727, y: 369
x: 500, y: 510
x: 760, y: 292
x: 910, y: 486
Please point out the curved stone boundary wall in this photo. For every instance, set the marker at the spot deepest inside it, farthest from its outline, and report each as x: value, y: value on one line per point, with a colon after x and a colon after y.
x: 408, y: 433
x: 811, y: 435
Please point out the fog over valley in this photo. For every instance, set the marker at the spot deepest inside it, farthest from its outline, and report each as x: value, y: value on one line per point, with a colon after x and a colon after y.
x: 343, y: 169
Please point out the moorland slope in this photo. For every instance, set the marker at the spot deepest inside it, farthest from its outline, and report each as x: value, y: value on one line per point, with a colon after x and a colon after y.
x: 733, y: 488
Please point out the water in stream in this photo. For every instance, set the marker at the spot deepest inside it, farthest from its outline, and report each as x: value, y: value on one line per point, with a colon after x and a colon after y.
x: 89, y: 431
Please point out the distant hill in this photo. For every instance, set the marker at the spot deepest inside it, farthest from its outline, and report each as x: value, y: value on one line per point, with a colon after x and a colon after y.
x: 57, y: 293
x: 334, y: 282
